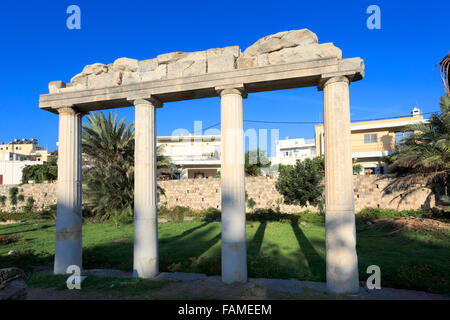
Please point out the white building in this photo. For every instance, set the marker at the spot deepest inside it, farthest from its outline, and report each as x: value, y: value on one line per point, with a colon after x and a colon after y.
x: 11, y: 171
x: 290, y: 150
x: 195, y: 156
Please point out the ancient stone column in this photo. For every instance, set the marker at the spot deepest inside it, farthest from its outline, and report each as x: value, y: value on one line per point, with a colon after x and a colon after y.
x: 145, y: 261
x: 234, y: 255
x: 341, y: 258
x: 68, y: 217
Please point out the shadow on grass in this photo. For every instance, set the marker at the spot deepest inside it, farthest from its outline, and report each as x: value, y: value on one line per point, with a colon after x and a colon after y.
x: 254, y: 247
x: 410, y: 260
x: 316, y: 263
x: 45, y: 226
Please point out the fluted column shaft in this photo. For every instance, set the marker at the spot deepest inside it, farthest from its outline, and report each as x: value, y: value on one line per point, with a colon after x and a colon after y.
x: 68, y: 219
x: 234, y: 256
x: 341, y: 258
x: 145, y: 256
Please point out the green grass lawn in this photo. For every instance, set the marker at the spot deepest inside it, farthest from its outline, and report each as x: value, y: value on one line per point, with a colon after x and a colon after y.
x: 410, y: 259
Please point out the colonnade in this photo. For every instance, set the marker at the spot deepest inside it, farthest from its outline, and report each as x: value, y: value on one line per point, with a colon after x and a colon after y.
x: 342, y: 266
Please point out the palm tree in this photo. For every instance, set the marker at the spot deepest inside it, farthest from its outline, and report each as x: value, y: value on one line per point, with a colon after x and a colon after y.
x: 445, y: 72
x: 109, y: 180
x: 424, y: 158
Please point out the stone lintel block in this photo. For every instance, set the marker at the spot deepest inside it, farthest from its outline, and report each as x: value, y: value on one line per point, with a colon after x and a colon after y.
x: 221, y: 63
x: 55, y: 86
x: 247, y: 62
x: 160, y: 73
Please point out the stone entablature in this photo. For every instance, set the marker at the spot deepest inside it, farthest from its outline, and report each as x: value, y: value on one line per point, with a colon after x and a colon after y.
x: 288, y: 59
x: 280, y: 48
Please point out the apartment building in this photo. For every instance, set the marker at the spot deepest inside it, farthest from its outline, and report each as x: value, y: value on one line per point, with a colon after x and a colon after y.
x: 21, y: 150
x: 196, y: 156
x: 371, y: 140
x: 288, y: 151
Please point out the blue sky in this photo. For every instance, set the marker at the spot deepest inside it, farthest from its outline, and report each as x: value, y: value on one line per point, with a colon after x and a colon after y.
x: 37, y: 47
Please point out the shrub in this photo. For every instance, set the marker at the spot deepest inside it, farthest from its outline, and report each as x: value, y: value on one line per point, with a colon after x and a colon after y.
x: 21, y: 198
x: 13, y: 195
x: 376, y: 213
x: 8, y: 239
x: 302, y: 184
x: 29, y: 205
x: 120, y: 217
x: 3, y: 200
x: 251, y: 203
x: 40, y: 172
x: 423, y: 277
x: 211, y: 213
x: 178, y: 213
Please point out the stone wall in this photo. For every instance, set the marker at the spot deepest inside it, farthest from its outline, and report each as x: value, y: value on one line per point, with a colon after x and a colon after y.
x: 44, y: 195
x: 205, y: 193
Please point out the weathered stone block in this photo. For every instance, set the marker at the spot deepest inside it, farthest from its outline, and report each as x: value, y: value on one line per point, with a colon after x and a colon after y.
x: 147, y: 65
x: 101, y: 81
x: 125, y: 65
x: 302, y: 53
x: 220, y: 63
x: 160, y: 73
x: 198, y: 67
x: 55, y: 86
x: 247, y: 62
x: 170, y: 57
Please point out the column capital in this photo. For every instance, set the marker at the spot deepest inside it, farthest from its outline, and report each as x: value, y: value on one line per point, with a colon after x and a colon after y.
x: 148, y: 100
x: 232, y: 89
x: 70, y: 110
x: 326, y: 80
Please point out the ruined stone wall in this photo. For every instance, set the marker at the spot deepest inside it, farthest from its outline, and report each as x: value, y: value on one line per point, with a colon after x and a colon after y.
x: 205, y: 193
x: 44, y: 195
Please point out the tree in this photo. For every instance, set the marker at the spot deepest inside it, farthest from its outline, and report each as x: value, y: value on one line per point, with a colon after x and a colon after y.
x: 444, y: 66
x: 423, y: 160
x: 302, y: 184
x: 48, y: 171
x: 109, y: 180
x: 254, y: 161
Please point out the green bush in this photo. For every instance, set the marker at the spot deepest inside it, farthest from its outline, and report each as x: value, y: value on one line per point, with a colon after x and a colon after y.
x: 29, y: 205
x: 302, y: 183
x: 40, y: 172
x: 13, y: 195
x: 272, y: 215
x: 21, y: 198
x: 376, y: 213
x: 178, y: 213
x: 251, y: 203
x: 423, y: 277
x: 121, y: 217
x: 211, y: 213
x: 3, y: 200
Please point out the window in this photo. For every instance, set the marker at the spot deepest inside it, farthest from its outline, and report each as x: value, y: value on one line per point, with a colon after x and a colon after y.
x: 370, y: 138
x: 401, y: 136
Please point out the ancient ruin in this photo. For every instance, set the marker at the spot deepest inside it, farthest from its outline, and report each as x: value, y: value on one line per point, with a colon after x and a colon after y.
x: 289, y: 59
